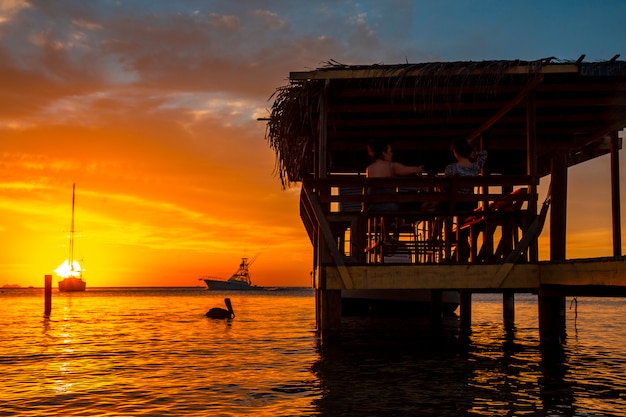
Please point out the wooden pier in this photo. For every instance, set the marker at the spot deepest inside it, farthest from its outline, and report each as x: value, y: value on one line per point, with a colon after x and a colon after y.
x: 536, y: 119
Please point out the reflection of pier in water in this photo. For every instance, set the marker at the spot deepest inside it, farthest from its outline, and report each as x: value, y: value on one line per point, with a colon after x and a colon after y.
x: 397, y: 362
x: 536, y: 119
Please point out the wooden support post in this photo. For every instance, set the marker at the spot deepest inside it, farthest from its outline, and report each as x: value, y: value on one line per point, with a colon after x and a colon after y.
x: 531, y: 166
x: 330, y: 314
x: 466, y: 312
x: 47, y: 295
x: 615, y: 197
x: 552, y: 306
x: 551, y: 320
x: 508, y: 308
x: 318, y: 309
x: 558, y: 208
x: 436, y: 309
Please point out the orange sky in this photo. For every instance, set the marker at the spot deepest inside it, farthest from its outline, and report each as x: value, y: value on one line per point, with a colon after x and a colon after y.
x: 153, y: 114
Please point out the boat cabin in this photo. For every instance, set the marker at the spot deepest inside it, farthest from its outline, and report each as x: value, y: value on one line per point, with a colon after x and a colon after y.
x: 535, y: 119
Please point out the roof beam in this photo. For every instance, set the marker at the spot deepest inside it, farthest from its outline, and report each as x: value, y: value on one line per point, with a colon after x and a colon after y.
x: 505, y: 109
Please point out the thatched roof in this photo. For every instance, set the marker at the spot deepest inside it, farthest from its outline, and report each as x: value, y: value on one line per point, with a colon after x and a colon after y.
x: 422, y: 107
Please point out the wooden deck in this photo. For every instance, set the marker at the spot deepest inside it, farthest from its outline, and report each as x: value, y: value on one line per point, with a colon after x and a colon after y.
x: 572, y: 276
x: 502, y: 237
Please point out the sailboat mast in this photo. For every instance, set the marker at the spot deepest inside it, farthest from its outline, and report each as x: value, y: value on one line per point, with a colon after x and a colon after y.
x: 71, y: 257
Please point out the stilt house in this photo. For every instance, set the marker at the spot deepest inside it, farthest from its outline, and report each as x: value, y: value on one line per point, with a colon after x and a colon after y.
x: 535, y: 118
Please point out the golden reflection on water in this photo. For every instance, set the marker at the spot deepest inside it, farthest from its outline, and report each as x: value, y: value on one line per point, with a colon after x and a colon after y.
x: 151, y: 352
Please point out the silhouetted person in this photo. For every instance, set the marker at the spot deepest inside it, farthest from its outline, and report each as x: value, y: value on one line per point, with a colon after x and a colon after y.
x: 469, y: 163
x: 382, y: 166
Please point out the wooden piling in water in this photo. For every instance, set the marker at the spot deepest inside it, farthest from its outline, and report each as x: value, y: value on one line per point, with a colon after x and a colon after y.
x: 552, y: 331
x: 551, y: 304
x: 508, y: 308
x: 436, y: 307
x: 47, y: 295
x: 330, y: 314
x: 466, y: 312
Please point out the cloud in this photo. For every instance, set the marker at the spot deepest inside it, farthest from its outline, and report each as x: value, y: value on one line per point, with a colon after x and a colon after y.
x: 10, y: 8
x: 270, y: 19
x: 246, y: 52
x: 229, y: 23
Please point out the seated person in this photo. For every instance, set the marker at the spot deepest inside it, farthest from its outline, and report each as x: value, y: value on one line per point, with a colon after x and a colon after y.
x: 468, y: 163
x: 382, y: 166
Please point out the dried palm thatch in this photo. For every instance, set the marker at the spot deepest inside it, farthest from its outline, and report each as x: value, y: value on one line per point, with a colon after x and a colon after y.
x: 293, y: 128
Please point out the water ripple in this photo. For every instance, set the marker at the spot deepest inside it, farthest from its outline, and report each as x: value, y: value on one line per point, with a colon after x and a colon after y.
x: 152, y: 352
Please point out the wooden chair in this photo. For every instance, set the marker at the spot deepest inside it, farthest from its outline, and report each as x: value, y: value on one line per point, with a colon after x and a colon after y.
x: 505, y: 214
x: 389, y: 241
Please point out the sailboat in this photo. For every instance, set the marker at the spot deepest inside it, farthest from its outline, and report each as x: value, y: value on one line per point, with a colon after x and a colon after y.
x: 239, y: 281
x: 71, y: 272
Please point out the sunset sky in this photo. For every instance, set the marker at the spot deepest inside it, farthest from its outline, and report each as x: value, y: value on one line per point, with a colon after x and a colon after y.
x: 151, y: 107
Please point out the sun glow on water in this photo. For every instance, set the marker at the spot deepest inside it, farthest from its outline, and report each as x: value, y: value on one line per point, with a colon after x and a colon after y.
x: 65, y: 271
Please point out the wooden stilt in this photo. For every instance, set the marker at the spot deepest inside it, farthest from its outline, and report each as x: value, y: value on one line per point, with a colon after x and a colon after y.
x: 466, y: 312
x: 615, y: 197
x: 318, y: 308
x: 47, y: 295
x: 551, y: 318
x: 558, y: 208
x: 562, y: 318
x: 330, y: 314
x: 531, y: 166
x: 508, y: 308
x: 551, y: 304
x: 436, y: 309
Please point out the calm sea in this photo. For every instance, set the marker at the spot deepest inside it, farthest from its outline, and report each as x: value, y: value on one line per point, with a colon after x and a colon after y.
x: 152, y: 352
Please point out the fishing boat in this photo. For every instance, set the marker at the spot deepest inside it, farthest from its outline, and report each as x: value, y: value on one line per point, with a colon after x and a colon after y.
x: 70, y: 271
x: 239, y: 281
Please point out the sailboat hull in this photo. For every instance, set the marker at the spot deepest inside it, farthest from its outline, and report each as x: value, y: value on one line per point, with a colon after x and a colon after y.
x: 72, y: 285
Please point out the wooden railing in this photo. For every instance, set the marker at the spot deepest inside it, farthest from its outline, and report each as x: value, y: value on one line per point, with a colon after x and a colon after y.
x: 343, y: 212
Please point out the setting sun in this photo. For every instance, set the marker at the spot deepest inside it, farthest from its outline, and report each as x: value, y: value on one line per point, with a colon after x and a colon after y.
x: 65, y: 271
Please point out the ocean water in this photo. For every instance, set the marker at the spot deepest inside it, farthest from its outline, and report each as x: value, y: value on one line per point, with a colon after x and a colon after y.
x: 152, y: 352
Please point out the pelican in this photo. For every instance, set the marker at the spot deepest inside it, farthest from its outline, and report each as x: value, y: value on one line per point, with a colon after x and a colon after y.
x: 220, y: 313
